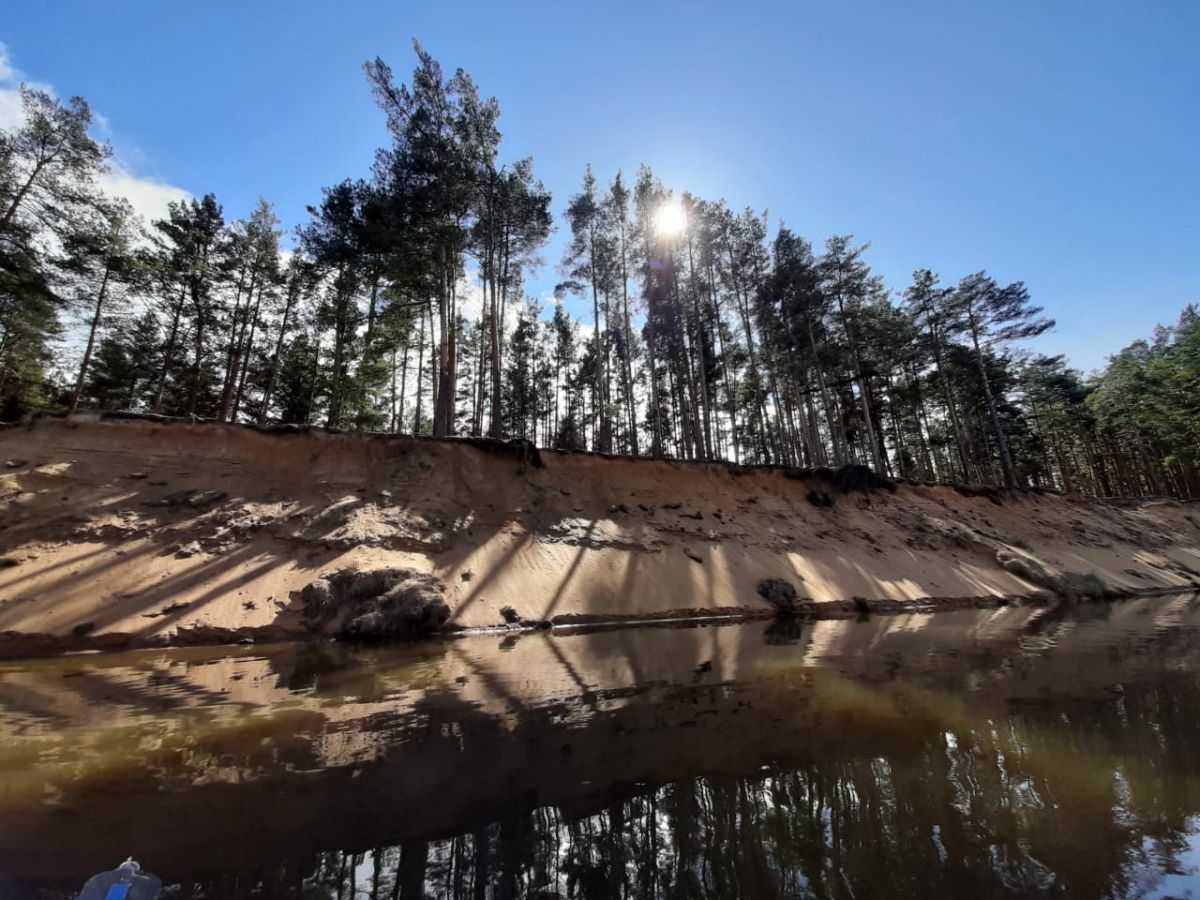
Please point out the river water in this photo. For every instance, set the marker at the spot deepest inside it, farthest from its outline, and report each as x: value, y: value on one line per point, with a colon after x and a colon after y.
x: 1012, y: 752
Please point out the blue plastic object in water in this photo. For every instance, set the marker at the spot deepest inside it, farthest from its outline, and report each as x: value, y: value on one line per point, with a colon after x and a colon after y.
x: 126, y: 882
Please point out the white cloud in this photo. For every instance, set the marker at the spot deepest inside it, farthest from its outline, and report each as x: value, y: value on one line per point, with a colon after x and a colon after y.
x: 148, y: 195
x: 10, y: 97
x: 10, y: 108
x: 10, y: 79
x: 470, y: 300
x: 8, y: 72
x: 470, y: 294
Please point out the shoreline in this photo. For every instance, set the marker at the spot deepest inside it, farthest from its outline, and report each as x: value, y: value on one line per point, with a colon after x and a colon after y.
x: 16, y: 646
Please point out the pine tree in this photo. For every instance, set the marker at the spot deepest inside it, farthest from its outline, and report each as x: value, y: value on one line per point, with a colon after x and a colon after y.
x: 99, y: 264
x: 189, y: 258
x: 586, y: 264
x: 251, y: 261
x: 125, y: 363
x: 847, y: 281
x: 428, y: 176
x: 993, y: 318
x: 48, y: 167
x: 332, y: 239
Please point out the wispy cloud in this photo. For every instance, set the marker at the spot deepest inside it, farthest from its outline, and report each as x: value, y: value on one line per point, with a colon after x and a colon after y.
x: 11, y: 77
x: 8, y: 72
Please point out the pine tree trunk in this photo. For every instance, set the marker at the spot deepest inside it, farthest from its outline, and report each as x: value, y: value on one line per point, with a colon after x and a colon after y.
x: 444, y: 402
x: 860, y: 381
x: 392, y: 393
x: 1006, y: 463
x: 1152, y: 475
x: 398, y: 418
x: 200, y: 316
x: 816, y: 450
x: 498, y: 296
x: 316, y: 377
x: 169, y: 353
x: 272, y: 373
x: 760, y: 411
x: 333, y: 418
x: 425, y: 314
x: 901, y: 466
x: 91, y: 341
x: 835, y: 431
x: 705, y: 417
x: 627, y: 368
x: 479, y: 392
x: 730, y: 395
x: 656, y: 447
x: 951, y: 407
x: 233, y: 351
x: 10, y: 213
x: 244, y: 366
x: 194, y: 397
x: 602, y: 434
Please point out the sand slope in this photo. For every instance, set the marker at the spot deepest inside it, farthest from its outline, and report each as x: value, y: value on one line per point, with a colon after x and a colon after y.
x: 161, y: 530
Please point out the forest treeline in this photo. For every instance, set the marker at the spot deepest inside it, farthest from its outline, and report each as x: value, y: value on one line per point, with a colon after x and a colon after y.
x: 400, y: 305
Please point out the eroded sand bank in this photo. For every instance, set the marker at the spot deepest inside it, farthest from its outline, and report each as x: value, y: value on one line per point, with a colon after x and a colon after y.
x: 123, y: 531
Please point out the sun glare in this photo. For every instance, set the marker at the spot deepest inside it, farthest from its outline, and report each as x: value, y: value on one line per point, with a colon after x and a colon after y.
x: 671, y: 219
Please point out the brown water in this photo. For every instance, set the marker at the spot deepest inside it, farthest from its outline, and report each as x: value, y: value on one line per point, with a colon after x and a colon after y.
x: 970, y: 754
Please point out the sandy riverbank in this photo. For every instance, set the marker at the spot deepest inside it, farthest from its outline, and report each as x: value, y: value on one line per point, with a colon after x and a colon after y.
x: 124, y: 532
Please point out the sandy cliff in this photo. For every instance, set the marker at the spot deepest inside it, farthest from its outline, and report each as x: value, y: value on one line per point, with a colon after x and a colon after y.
x: 117, y: 531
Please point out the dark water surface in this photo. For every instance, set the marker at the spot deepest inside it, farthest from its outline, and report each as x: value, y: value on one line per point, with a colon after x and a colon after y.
x: 991, y: 753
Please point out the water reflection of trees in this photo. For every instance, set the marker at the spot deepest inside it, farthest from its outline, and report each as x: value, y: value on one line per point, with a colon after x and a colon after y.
x: 1086, y: 798
x: 974, y: 756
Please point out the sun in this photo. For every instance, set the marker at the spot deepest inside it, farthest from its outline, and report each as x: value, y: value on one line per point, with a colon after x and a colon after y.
x: 670, y: 219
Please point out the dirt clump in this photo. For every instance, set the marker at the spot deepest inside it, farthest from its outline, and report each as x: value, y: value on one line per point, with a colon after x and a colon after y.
x: 779, y: 593
x: 376, y: 604
x: 851, y: 478
x: 1063, y: 583
x: 992, y: 494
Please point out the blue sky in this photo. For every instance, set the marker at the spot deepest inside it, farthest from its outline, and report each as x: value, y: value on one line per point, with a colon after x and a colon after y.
x: 1052, y: 142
